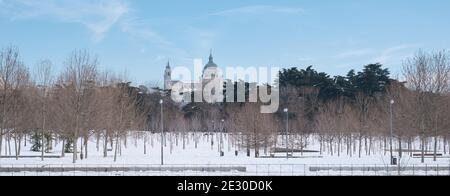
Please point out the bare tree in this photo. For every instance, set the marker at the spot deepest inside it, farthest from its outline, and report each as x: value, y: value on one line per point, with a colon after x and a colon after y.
x: 9, y: 66
x: 44, y: 81
x: 79, y: 78
x: 428, y: 75
x: 21, y: 81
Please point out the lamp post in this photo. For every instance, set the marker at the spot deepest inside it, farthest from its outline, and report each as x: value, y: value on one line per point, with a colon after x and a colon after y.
x: 44, y: 89
x: 212, y: 134
x: 221, y: 138
x: 286, y: 110
x: 162, y: 132
x: 391, y: 135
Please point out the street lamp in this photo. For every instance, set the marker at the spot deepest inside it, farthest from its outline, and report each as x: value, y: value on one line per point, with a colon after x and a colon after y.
x: 286, y: 110
x: 221, y: 138
x: 391, y: 135
x: 162, y: 132
x: 212, y: 134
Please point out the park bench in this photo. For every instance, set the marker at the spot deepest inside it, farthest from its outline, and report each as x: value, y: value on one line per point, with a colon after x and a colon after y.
x: 427, y: 155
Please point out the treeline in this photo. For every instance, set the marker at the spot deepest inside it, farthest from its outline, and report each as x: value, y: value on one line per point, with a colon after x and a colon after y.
x: 71, y: 107
x: 347, y: 113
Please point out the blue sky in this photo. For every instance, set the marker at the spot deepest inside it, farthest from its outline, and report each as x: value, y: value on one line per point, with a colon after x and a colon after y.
x: 139, y: 36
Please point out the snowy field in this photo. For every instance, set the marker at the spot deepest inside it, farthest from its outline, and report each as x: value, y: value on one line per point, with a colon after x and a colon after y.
x: 207, y: 155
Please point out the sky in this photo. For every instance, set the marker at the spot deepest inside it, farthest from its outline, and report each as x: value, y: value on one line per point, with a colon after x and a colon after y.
x: 139, y: 36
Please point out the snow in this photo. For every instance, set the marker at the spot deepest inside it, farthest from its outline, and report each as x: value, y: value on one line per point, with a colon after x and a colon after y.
x: 202, y: 156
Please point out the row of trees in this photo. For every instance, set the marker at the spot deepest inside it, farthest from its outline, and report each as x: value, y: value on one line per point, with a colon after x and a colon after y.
x: 70, y: 108
x: 347, y: 113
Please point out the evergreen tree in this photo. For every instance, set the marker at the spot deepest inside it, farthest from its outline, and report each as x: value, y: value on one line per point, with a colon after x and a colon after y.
x: 36, y: 142
x: 68, y: 148
x: 373, y: 79
x: 48, y: 142
x: 309, y: 78
x: 343, y: 87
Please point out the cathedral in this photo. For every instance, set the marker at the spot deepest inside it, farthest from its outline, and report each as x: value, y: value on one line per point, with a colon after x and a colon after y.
x: 210, y: 72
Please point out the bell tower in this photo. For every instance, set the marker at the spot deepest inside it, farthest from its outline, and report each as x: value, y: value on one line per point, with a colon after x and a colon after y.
x: 168, y: 77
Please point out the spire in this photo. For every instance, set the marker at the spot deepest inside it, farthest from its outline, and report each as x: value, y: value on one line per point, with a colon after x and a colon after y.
x: 210, y: 56
x: 168, y: 64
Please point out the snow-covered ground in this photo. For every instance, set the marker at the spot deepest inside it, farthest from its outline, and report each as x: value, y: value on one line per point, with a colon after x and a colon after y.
x: 204, y: 155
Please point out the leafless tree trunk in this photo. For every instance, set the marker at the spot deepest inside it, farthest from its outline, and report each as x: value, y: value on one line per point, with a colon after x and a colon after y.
x: 429, y: 76
x: 63, y: 148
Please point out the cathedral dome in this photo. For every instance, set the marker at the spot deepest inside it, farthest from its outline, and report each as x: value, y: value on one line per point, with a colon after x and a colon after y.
x: 211, y: 63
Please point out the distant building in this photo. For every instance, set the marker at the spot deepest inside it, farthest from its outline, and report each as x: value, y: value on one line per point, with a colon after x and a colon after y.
x: 210, y: 72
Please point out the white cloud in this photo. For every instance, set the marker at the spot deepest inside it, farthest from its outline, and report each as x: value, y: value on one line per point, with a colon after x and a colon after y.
x: 394, y: 52
x: 202, y: 39
x: 137, y: 29
x: 259, y: 9
x: 97, y: 16
x: 298, y: 58
x: 141, y: 31
x: 354, y: 53
x: 305, y: 59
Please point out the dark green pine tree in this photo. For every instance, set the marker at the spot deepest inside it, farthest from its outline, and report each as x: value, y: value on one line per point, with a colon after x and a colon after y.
x: 372, y: 80
x: 342, y: 88
x: 309, y: 78
x: 68, y: 148
x: 36, y: 142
